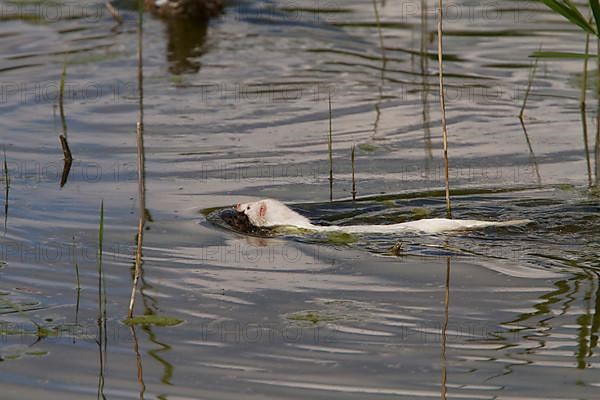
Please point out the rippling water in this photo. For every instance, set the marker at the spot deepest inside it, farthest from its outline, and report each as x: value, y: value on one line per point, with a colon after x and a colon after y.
x: 238, y: 110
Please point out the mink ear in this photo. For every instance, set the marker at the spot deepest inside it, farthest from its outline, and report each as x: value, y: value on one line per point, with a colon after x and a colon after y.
x: 262, y: 211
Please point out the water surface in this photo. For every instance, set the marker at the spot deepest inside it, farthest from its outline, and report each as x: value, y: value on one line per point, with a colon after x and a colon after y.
x: 238, y: 110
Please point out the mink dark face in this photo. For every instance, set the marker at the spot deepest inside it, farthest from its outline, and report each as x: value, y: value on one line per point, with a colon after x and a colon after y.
x: 237, y: 220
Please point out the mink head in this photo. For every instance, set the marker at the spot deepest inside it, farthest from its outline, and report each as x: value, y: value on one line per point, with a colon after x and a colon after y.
x: 256, y: 212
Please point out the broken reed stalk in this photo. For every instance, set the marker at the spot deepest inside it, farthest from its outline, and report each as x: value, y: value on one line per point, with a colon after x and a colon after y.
x: 140, y: 165
x: 66, y: 150
x: 353, y: 178
x: 381, y: 47
x: 443, y: 107
x: 64, y: 144
x: 532, y: 73
x: 330, y: 148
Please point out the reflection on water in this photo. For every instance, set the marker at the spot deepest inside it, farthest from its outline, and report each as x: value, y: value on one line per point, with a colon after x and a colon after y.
x: 531, y: 153
x: 444, y: 388
x: 185, y: 42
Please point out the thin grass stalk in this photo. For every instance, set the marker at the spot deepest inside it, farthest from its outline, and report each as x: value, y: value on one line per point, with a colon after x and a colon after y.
x: 377, y: 20
x: 140, y: 164
x: 353, y: 177
x: 531, y: 153
x: 330, y: 149
x: 443, y: 106
x: 530, y: 79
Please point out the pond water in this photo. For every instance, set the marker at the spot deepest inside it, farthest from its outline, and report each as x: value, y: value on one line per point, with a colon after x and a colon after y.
x: 236, y: 110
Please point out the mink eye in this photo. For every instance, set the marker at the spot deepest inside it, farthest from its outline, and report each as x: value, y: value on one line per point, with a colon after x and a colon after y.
x: 248, y: 208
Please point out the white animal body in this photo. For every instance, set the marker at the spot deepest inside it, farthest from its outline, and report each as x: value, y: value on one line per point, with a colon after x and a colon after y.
x: 269, y: 213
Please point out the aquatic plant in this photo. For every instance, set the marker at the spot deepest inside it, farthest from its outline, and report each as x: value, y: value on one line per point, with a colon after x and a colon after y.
x: 569, y: 10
